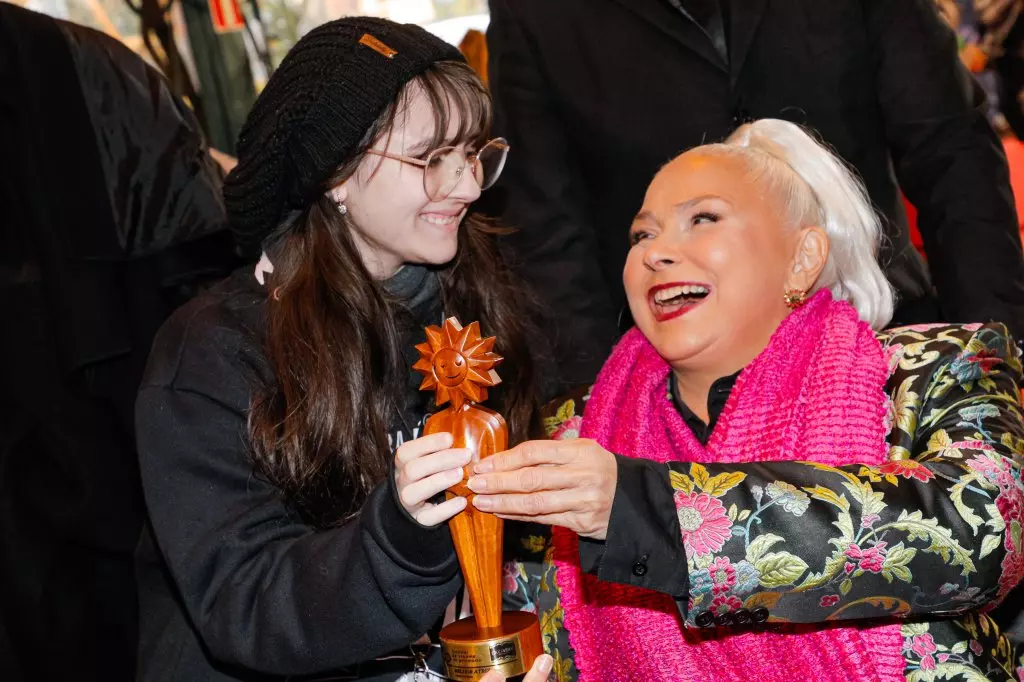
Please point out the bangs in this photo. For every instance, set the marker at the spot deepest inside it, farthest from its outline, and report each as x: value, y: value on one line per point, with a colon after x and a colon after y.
x: 455, y: 93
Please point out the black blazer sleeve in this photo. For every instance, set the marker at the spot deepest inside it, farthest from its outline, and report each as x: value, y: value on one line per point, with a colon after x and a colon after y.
x: 262, y: 589
x: 555, y: 248
x: 949, y: 162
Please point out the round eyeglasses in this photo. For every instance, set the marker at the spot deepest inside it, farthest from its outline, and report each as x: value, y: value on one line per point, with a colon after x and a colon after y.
x: 443, y: 167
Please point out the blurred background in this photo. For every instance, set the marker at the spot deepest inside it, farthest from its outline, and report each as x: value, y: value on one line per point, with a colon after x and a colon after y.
x: 217, y: 54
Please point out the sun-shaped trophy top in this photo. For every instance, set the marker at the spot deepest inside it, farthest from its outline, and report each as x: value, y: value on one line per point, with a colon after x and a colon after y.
x: 457, y: 363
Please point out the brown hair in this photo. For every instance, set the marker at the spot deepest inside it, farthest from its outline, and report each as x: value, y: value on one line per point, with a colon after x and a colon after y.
x: 319, y: 426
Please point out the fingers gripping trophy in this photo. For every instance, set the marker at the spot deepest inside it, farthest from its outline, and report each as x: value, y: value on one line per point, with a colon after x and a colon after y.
x: 459, y: 366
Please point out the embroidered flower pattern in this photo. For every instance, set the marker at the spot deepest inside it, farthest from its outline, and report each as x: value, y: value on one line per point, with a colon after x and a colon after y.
x: 907, y: 468
x: 923, y: 645
x: 747, y: 578
x: 701, y: 583
x: 703, y: 523
x: 1012, y: 565
x: 509, y: 576
x: 568, y: 430
x: 869, y: 558
x: 828, y: 600
x: 972, y: 365
x: 724, y: 603
x: 792, y: 500
x: 951, y: 650
x: 723, y: 575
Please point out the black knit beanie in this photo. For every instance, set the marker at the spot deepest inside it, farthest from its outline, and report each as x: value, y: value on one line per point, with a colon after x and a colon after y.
x: 314, y: 110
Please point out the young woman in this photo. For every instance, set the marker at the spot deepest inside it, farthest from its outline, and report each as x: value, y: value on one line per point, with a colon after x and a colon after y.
x: 284, y: 541
x: 792, y: 494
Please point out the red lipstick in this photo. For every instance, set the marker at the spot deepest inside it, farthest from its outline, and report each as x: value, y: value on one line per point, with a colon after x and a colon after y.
x: 689, y: 296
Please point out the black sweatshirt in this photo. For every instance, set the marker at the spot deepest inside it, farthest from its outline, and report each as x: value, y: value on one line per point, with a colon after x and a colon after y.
x: 233, y: 585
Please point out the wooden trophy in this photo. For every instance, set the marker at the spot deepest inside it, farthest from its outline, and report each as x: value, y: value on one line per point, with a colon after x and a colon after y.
x: 459, y: 366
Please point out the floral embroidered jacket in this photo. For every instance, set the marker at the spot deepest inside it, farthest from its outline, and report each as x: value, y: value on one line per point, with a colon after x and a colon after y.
x: 933, y: 537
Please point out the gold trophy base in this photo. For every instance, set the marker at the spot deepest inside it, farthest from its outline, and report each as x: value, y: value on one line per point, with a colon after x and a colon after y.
x: 470, y: 652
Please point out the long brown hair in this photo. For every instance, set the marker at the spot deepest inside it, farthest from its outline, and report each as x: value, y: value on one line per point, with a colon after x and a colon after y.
x: 319, y: 426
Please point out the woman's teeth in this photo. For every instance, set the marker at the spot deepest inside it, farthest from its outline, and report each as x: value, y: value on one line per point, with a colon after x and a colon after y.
x: 669, y: 295
x: 435, y: 219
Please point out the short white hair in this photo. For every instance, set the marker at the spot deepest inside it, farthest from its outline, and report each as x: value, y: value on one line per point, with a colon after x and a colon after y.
x: 818, y: 188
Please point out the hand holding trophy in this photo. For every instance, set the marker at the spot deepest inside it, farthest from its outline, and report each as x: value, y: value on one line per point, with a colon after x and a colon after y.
x: 459, y: 366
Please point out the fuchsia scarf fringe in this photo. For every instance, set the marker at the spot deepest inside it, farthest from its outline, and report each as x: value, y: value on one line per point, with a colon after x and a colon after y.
x: 816, y: 393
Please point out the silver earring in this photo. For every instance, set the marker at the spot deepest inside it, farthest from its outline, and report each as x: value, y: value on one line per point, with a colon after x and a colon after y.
x: 342, y: 208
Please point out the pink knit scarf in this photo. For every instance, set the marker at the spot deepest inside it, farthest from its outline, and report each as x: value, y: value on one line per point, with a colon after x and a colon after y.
x: 816, y: 393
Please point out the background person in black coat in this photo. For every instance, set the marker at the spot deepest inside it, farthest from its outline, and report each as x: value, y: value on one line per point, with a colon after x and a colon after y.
x: 111, y: 216
x: 595, y: 95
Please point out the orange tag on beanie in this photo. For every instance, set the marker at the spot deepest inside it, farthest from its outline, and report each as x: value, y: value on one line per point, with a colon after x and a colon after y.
x: 377, y: 46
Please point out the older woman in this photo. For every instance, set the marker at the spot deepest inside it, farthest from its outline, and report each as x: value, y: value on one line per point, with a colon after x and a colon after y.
x: 792, y: 494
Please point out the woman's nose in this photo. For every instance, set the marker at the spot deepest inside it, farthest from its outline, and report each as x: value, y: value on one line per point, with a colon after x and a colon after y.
x: 467, y: 189
x: 660, y: 253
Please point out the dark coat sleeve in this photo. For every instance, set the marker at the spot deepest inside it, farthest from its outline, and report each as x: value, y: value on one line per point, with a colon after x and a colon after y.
x: 263, y: 589
x: 949, y: 162
x: 555, y: 248
x: 936, y: 531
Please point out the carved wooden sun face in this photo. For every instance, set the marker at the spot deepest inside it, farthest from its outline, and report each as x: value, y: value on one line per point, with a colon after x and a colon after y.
x: 457, y: 363
x: 450, y: 367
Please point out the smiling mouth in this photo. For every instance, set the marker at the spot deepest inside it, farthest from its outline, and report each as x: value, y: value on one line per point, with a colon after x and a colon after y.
x: 435, y: 219
x: 668, y: 301
x: 445, y: 220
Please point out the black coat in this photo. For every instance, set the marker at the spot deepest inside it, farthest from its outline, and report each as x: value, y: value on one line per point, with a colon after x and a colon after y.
x: 595, y: 95
x: 110, y: 216
x: 234, y: 583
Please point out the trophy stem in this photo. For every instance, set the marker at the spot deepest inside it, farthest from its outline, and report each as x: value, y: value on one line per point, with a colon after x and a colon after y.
x: 480, y: 562
x: 487, y: 603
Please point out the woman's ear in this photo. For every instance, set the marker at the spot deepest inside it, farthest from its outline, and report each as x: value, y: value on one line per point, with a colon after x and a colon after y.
x: 809, y: 259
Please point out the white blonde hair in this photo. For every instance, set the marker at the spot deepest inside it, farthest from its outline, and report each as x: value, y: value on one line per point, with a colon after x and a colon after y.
x: 817, y: 188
